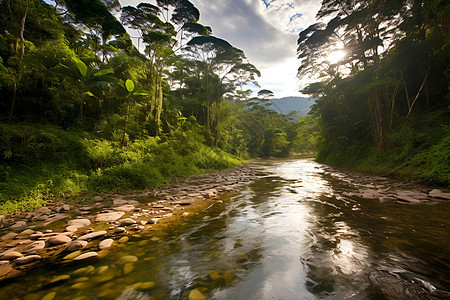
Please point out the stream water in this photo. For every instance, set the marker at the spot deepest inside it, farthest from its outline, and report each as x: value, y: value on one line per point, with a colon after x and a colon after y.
x: 295, y: 233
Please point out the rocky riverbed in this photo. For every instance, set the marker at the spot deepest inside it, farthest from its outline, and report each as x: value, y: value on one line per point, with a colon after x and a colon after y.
x: 62, y: 233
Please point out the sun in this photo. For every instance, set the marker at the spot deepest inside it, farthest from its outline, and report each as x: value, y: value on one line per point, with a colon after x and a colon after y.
x: 336, y: 56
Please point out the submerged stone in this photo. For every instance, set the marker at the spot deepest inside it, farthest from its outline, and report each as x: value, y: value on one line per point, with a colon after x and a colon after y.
x: 83, y: 271
x: 196, y: 295
x: 127, y: 259
x: 144, y: 286
x: 86, y: 256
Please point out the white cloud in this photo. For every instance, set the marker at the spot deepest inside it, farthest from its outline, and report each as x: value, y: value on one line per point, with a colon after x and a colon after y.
x: 266, y: 30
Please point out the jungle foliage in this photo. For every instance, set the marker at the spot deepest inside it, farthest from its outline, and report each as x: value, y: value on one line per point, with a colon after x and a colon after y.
x: 84, y: 110
x: 384, y: 107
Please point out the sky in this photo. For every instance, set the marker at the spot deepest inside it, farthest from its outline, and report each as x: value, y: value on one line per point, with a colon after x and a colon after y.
x: 267, y: 32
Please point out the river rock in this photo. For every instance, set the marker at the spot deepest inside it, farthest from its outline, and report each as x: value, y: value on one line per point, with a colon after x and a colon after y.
x: 78, y: 223
x: 119, y: 202
x: 196, y: 295
x: 127, y: 259
x: 105, y: 244
x: 144, y: 286
x: 59, y: 239
x: 34, y: 246
x: 108, y: 217
x: 10, y: 255
x: 386, y: 199
x: 36, y: 236
x: 77, y: 245
x: 49, y: 296
x: 86, y: 256
x: 9, y: 236
x: 18, y: 225
x: 123, y: 239
x: 59, y: 279
x: 83, y: 271
x: 27, y: 259
x: 119, y: 230
x: 127, y: 222
x: 439, y: 194
x: 26, y: 233
x: 127, y: 207
x: 92, y: 235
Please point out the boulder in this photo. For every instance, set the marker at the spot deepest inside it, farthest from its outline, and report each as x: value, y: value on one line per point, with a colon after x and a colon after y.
x: 92, y: 235
x: 27, y: 259
x: 59, y: 239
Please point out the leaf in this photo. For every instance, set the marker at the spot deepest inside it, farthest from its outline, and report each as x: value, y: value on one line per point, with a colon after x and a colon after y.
x: 89, y: 94
x: 80, y: 65
x: 129, y: 84
x: 103, y: 72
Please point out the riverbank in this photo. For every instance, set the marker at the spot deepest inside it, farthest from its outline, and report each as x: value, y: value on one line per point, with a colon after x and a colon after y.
x: 62, y: 233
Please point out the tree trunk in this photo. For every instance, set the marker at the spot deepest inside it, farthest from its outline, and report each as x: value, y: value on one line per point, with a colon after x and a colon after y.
x: 125, y: 125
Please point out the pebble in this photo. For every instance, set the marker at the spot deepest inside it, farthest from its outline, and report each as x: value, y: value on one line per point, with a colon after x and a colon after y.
x: 79, y: 223
x: 109, y: 216
x: 9, y: 236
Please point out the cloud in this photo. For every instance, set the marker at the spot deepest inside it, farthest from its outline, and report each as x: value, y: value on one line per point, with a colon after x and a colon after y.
x: 266, y: 30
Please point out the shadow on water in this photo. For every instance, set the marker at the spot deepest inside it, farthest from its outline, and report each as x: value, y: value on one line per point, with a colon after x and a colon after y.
x: 297, y: 233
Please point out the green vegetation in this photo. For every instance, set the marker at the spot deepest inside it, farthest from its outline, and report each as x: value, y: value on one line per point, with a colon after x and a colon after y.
x: 83, y: 111
x: 383, y: 108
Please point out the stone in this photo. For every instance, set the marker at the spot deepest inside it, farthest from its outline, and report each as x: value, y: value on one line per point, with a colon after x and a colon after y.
x: 34, y: 246
x: 59, y: 239
x: 92, y: 235
x: 26, y: 232
x: 49, y: 296
x: 195, y: 294
x: 65, y: 207
x: 27, y: 259
x: 127, y: 259
x: 72, y: 255
x: 36, y: 236
x: 102, y: 270
x: 86, y: 256
x: 77, y: 245
x: 119, y: 230
x: 407, y: 199
x: 123, y: 239
x: 127, y: 222
x: 144, y: 286
x: 54, y: 218
x: 439, y: 194
x: 9, y: 236
x: 10, y: 255
x: 127, y: 207
x: 386, y: 199
x: 108, y: 217
x: 79, y: 223
x: 18, y: 225
x: 105, y: 244
x: 59, y: 279
x: 127, y: 268
x: 119, y: 202
x: 83, y: 271
x: 72, y: 228
x: 185, y: 214
x: 98, y: 198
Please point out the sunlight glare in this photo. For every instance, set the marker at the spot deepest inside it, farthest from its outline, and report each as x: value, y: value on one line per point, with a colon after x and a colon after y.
x: 335, y: 56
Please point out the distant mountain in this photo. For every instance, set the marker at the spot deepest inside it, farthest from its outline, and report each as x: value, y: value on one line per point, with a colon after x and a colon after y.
x: 285, y: 105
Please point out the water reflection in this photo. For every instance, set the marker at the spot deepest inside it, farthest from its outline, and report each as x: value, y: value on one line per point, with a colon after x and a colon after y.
x: 297, y: 233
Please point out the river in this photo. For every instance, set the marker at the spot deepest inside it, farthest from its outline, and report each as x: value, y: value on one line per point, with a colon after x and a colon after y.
x: 298, y: 232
